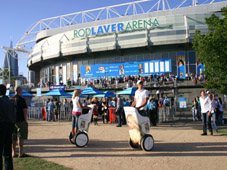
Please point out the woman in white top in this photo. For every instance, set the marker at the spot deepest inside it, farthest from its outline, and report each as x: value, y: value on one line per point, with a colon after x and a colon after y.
x: 77, y: 110
x: 205, y: 104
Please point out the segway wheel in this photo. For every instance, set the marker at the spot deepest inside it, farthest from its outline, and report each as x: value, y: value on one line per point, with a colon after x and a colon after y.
x: 81, y: 139
x: 147, y: 142
x: 132, y: 144
x: 70, y: 138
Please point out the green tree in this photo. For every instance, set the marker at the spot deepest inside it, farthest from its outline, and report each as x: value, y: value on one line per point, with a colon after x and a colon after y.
x: 4, y: 74
x: 212, y: 51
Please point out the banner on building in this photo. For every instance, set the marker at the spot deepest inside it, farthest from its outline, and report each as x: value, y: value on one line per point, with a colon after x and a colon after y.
x: 74, y: 70
x: 181, y: 65
x: 142, y: 68
x: 60, y: 87
x: 64, y: 75
x: 57, y: 75
x: 199, y: 67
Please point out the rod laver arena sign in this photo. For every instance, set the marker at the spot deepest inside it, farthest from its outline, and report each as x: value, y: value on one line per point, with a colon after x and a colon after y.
x: 117, y: 27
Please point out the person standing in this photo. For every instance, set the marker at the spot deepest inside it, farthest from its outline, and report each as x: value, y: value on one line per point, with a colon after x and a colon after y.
x: 20, y: 132
x: 205, y: 104
x: 198, y: 109
x: 214, y: 105
x: 221, y: 107
x: 104, y: 109
x: 141, y: 98
x: 194, y: 109
x: 51, y: 110
x: 66, y: 106
x: 152, y: 111
x: 95, y: 113
x: 7, y: 120
x: 47, y: 112
x: 119, y: 109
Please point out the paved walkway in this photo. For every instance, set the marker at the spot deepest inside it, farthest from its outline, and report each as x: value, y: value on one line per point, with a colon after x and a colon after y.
x: 177, y: 146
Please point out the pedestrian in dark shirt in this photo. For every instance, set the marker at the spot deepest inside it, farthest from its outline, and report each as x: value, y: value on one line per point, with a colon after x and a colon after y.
x: 20, y: 132
x: 7, y: 120
x: 119, y: 110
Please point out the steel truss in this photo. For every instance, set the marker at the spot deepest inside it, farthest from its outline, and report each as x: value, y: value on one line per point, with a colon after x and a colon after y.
x: 104, y: 13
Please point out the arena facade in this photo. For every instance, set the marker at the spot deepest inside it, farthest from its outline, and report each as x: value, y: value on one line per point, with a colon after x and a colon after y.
x: 158, y: 42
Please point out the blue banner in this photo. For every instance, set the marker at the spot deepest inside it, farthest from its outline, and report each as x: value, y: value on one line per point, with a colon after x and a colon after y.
x: 141, y: 68
x: 182, y: 102
x: 181, y: 65
x: 60, y: 87
x: 200, y: 67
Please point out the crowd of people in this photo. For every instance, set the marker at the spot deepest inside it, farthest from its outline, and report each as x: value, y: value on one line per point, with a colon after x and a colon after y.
x: 132, y: 80
x: 209, y: 109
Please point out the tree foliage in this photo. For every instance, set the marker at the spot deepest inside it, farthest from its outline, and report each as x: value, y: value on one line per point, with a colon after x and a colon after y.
x: 5, y: 76
x: 212, y: 51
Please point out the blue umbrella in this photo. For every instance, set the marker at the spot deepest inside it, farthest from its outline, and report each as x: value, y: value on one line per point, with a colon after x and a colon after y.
x: 82, y: 96
x: 129, y: 91
x: 106, y: 94
x: 91, y: 91
x: 57, y: 92
x: 24, y: 94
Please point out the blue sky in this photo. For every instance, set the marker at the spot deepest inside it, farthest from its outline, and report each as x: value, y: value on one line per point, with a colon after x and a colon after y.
x: 17, y: 16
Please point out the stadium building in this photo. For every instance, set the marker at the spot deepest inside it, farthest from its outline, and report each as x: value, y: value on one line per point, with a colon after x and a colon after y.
x: 134, y: 41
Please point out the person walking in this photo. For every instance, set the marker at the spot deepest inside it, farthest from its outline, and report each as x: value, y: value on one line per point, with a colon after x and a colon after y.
x: 20, y: 132
x: 119, y: 110
x: 141, y: 98
x: 51, y: 110
x: 205, y: 104
x: 7, y: 120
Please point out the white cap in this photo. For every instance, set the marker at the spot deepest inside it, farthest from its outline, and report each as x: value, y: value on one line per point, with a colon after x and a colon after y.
x: 139, y: 82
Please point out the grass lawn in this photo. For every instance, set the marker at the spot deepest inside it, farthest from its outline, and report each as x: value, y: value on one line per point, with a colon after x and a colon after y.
x: 222, y: 131
x: 34, y: 163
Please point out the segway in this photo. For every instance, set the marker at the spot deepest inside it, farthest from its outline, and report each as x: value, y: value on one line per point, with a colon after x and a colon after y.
x: 139, y: 128
x: 81, y: 137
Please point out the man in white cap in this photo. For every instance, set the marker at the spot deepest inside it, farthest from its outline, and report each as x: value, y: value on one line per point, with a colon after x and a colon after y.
x: 141, y: 98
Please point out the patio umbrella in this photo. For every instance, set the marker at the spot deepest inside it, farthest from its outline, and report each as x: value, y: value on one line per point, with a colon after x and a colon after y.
x: 24, y: 94
x: 129, y: 91
x: 106, y: 94
x: 91, y: 91
x: 71, y: 94
x: 57, y: 92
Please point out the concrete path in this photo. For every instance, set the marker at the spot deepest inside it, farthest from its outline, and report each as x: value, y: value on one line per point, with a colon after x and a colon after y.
x: 177, y: 146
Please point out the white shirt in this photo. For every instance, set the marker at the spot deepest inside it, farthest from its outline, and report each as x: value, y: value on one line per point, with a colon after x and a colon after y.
x: 205, y: 104
x: 76, y: 107
x: 140, y: 97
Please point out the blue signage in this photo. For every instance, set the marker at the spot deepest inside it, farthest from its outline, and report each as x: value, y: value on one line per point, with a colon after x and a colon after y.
x: 181, y: 65
x: 38, y: 92
x: 60, y: 87
x: 143, y: 68
x: 182, y: 102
